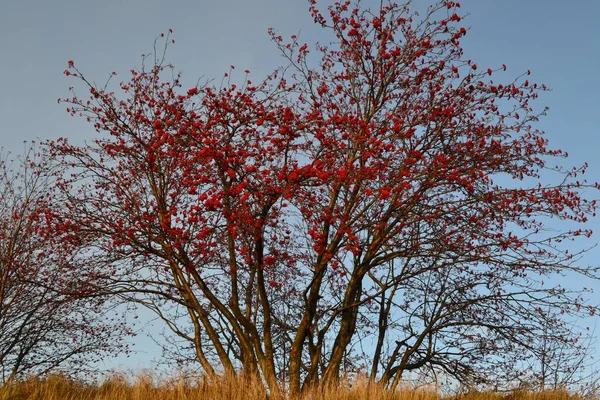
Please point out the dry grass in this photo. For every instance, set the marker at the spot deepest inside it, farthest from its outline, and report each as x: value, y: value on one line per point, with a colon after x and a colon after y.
x: 146, y: 387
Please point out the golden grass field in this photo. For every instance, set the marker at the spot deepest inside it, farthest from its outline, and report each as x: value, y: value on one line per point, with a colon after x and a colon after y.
x: 145, y: 387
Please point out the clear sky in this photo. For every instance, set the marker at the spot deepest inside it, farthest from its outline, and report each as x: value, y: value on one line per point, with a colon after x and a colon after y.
x: 558, y: 40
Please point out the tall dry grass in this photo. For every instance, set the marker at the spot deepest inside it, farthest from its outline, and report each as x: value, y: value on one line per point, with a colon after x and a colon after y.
x: 147, y: 387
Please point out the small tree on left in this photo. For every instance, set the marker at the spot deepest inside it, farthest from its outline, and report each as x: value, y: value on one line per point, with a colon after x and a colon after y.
x: 50, y: 318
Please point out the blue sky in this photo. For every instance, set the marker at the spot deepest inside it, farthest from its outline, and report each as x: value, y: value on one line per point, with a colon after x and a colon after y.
x: 558, y: 40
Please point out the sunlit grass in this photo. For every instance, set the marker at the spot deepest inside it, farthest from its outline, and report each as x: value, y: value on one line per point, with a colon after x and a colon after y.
x: 60, y: 387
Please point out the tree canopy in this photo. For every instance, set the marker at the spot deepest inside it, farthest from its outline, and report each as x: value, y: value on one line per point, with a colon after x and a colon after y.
x: 389, y: 208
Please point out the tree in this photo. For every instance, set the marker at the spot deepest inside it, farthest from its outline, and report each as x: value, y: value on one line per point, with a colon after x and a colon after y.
x: 389, y: 207
x: 564, y: 365
x: 47, y: 321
